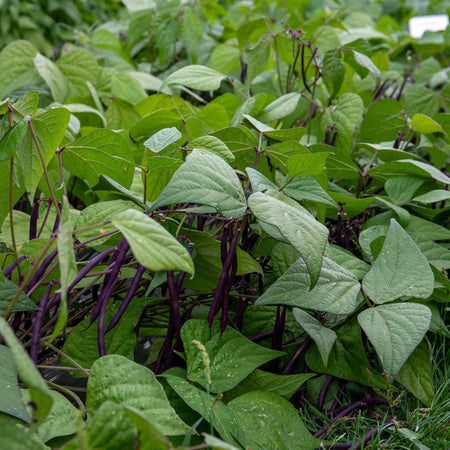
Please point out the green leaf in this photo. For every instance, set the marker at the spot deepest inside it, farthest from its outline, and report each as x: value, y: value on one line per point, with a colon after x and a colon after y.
x: 213, y: 145
x: 126, y: 88
x: 149, y: 437
x: 208, y: 180
x: 401, y: 189
x: 12, y: 138
x: 116, y: 378
x: 333, y: 71
x: 280, y: 108
x: 82, y: 343
x: 15, y: 436
x: 336, y: 290
x: 162, y: 139
x: 308, y: 164
x: 274, y: 416
x: 284, y: 385
x: 60, y: 421
x: 225, y: 58
x: 196, y: 77
x: 395, y: 331
x: 232, y: 356
x: 259, y: 181
x: 152, y: 245
x: 421, y: 100
x: 101, y: 152
x: 27, y: 372
x: 323, y: 337
x: 438, y: 195
x: 258, y: 56
x: 160, y: 172
x: 49, y: 128
x: 10, y: 396
x: 111, y: 428
x: 54, y: 78
x: 294, y: 224
x: 347, y: 359
x: 8, y: 291
x: 191, y: 32
x: 425, y: 125
x: 400, y: 269
x: 415, y: 375
x: 308, y: 188
x: 383, y: 121
x: 347, y: 260
x: 364, y: 65
x: 16, y: 66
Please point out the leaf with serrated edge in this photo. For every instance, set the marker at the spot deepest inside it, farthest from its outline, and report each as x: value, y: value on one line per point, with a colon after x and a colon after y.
x: 323, y: 337
x: 208, y: 180
x: 395, y: 331
x: 400, y: 269
x: 116, y: 378
x: 295, y: 224
x: 152, y: 245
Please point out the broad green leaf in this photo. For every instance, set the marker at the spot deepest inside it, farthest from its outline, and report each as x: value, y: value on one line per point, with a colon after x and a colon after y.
x: 67, y: 265
x: 162, y: 139
x: 348, y: 260
x: 150, y: 438
x: 138, y: 5
x: 54, y: 78
x: 308, y: 188
x: 49, y: 128
x: 16, y: 66
x: 11, y: 140
x: 111, y: 428
x: 196, y: 77
x: 216, y: 443
x: 208, y: 261
x: 95, y: 214
x: 437, y: 195
x: 15, y: 436
x: 282, y: 257
x: 160, y: 172
x: 274, y: 416
x: 436, y: 254
x: 400, y: 269
x: 333, y: 70
x: 323, y: 337
x: 286, y: 218
x: 10, y: 396
x: 126, y: 88
x: 79, y: 66
x: 192, y: 32
x: 336, y: 290
x: 429, y: 229
x: 80, y: 108
x: 415, y: 375
x: 225, y: 58
x: 383, y: 121
x: 307, y: 164
x: 8, y: 291
x: 82, y: 343
x: 347, y: 359
x: 208, y: 180
x: 421, y: 100
x: 280, y: 108
x: 259, y: 181
x: 258, y: 57
x: 27, y: 372
x: 364, y: 65
x: 401, y: 189
x: 395, y: 331
x: 284, y: 385
x: 116, y: 378
x: 232, y: 356
x: 402, y: 214
x: 425, y: 125
x: 101, y: 152
x: 152, y: 245
x: 60, y: 421
x: 261, y: 127
x: 213, y: 145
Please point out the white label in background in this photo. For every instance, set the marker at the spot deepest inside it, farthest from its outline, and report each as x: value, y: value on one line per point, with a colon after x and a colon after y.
x: 418, y: 25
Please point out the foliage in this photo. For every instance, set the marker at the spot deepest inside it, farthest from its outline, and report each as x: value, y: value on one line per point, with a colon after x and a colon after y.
x: 230, y: 231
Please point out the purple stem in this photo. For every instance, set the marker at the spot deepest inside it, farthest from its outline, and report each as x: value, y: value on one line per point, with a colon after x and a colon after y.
x: 323, y: 392
x: 42, y: 268
x: 303, y: 346
x: 10, y: 269
x: 58, y: 218
x: 45, y: 217
x: 361, y: 404
x: 38, y: 323
x: 134, y: 284
x: 33, y: 220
